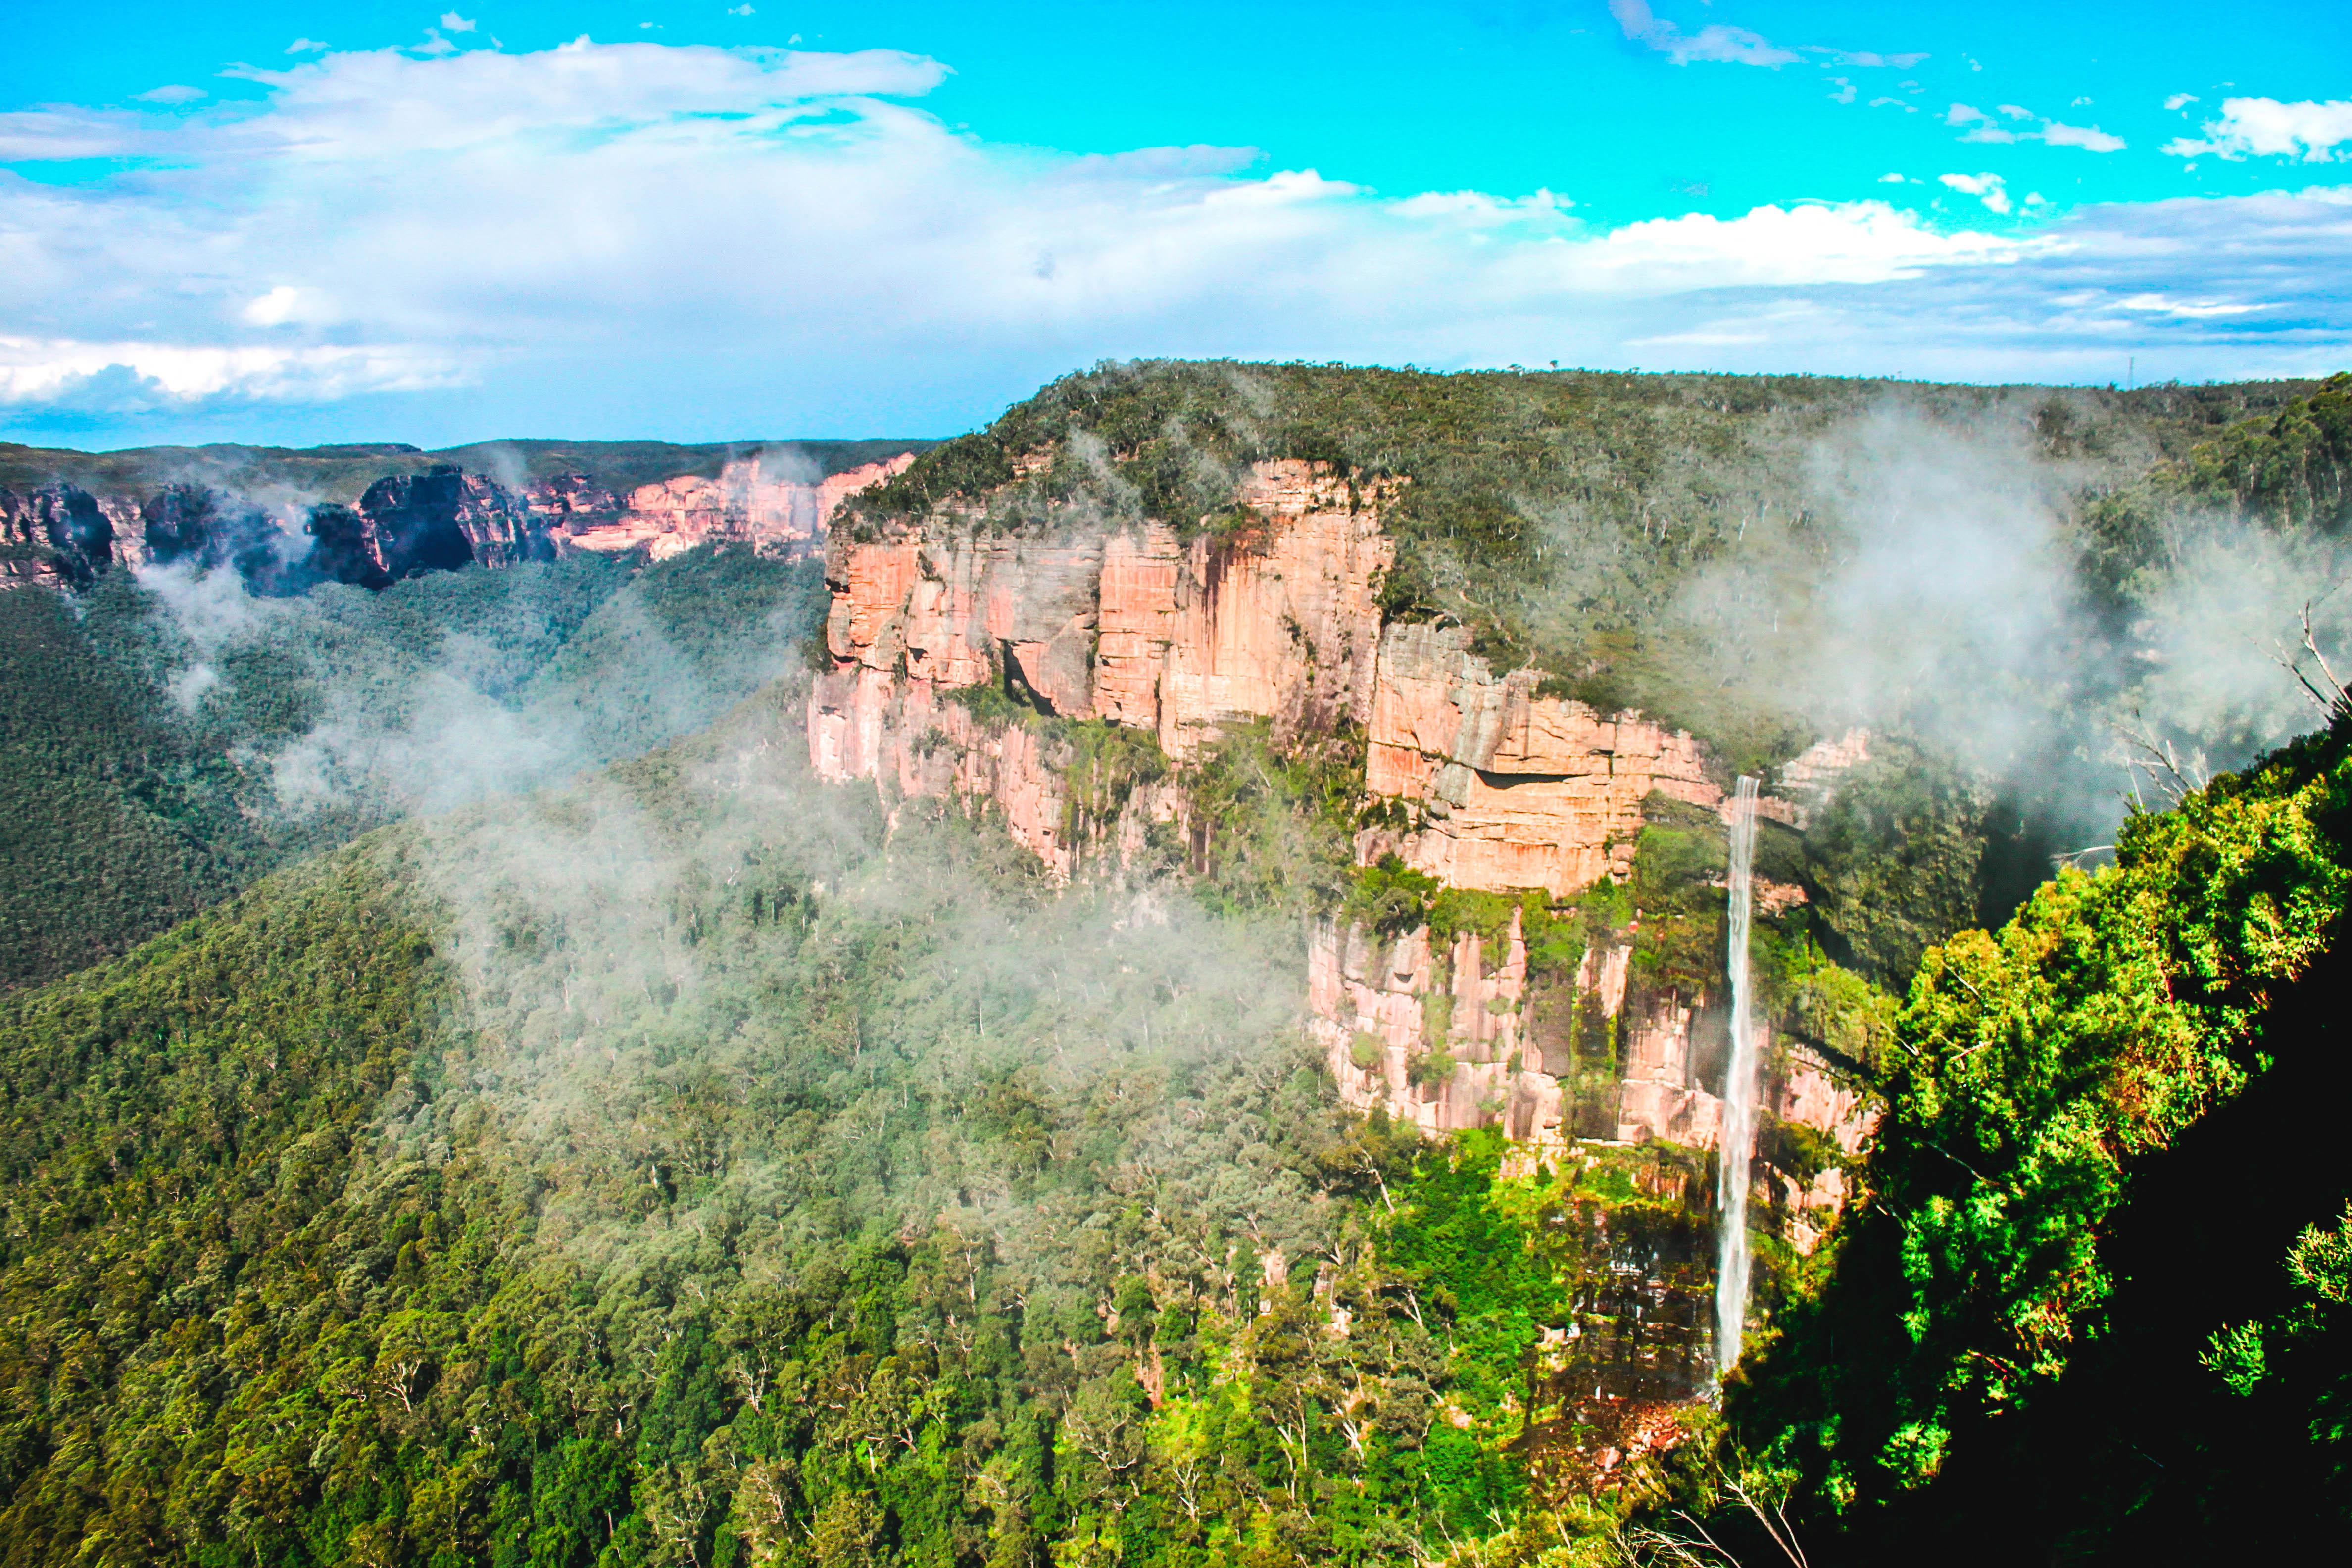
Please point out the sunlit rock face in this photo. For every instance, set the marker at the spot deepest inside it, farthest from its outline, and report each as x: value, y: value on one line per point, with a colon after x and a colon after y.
x: 56, y: 535
x: 1516, y: 789
x: 1275, y: 620
x: 1598, y: 1059
x: 564, y: 500
x: 769, y: 503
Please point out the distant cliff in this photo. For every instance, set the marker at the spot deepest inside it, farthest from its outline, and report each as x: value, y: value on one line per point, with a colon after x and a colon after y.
x: 436, y: 517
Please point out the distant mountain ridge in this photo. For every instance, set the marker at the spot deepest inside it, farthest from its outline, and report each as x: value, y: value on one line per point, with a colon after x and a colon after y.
x: 370, y: 515
x: 341, y: 473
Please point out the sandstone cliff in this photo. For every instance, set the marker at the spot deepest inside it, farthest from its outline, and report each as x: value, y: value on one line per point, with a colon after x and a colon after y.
x: 1271, y: 613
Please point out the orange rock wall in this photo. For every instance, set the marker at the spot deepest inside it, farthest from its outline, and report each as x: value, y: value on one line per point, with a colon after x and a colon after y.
x: 1505, y: 789
x: 763, y: 506
x: 1274, y: 621
x: 1513, y: 790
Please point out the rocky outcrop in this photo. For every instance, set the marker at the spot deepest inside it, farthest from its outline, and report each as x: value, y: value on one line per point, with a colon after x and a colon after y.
x: 444, y: 518
x: 1273, y: 617
x: 567, y: 502
x: 202, y: 529
x: 1804, y: 783
x: 919, y: 743
x: 1459, y: 1038
x: 56, y: 535
x: 1507, y: 788
x: 771, y: 502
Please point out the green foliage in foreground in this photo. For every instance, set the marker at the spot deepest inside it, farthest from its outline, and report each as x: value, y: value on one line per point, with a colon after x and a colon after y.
x: 2047, y: 1328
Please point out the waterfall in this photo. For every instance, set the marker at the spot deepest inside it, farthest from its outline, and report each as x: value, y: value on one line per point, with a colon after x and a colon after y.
x: 1738, y: 1146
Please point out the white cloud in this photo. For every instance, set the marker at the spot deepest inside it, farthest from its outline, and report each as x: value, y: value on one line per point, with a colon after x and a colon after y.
x: 141, y: 375
x: 739, y: 10
x: 2179, y: 101
x: 174, y: 93
x: 1963, y: 114
x: 306, y: 46
x: 2014, y: 112
x: 1845, y: 91
x: 1714, y: 44
x: 1890, y: 179
x: 2089, y: 137
x: 1987, y: 188
x: 2265, y: 128
x: 2162, y: 304
x: 456, y: 23
x: 777, y: 239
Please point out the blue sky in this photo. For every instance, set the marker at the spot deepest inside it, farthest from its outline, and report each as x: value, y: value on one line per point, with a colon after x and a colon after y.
x: 297, y: 223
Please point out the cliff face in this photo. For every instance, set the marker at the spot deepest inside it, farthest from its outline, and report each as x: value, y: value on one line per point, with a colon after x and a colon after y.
x: 766, y: 502
x: 1271, y: 613
x: 1512, y: 790
x: 1274, y: 618
x: 442, y: 518
x: 57, y: 534
x: 1458, y: 1037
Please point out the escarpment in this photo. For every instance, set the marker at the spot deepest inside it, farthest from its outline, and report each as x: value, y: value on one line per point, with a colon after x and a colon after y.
x: 948, y: 642
x: 438, y: 518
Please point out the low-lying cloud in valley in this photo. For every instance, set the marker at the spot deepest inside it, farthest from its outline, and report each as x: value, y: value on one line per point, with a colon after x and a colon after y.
x: 636, y: 233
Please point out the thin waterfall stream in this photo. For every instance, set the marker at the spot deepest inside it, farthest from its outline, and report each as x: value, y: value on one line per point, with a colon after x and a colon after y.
x: 1733, y: 1168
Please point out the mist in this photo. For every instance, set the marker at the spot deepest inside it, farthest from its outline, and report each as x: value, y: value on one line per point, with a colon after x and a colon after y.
x: 1938, y: 582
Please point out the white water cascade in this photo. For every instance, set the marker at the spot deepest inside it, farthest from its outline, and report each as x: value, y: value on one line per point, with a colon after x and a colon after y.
x: 1738, y: 1147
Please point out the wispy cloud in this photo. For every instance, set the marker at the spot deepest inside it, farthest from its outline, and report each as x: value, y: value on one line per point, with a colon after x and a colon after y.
x: 587, y: 233
x: 2265, y: 128
x: 1720, y: 43
x: 2089, y: 137
x: 1983, y: 128
x: 1715, y: 43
